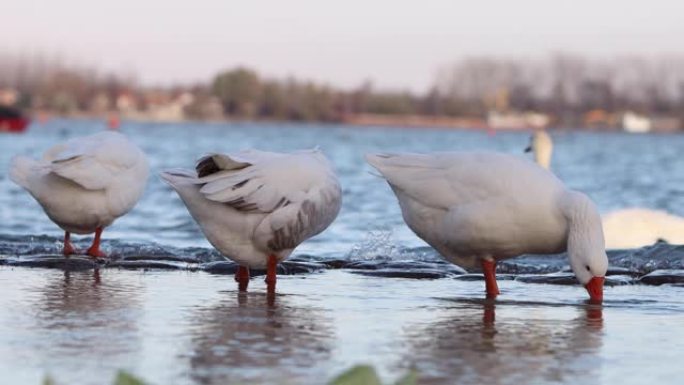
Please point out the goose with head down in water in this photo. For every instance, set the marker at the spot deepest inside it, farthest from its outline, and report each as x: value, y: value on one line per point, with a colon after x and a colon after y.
x: 476, y: 208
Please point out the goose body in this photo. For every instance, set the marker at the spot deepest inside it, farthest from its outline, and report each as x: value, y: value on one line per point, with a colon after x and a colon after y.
x: 480, y: 207
x: 84, y: 184
x: 256, y: 207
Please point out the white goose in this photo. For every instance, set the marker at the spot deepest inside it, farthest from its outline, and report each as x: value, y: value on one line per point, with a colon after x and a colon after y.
x: 626, y: 228
x: 480, y: 207
x: 255, y: 207
x: 84, y: 184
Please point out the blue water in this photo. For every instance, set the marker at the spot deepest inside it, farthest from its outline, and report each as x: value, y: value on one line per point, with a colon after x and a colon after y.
x: 365, y: 291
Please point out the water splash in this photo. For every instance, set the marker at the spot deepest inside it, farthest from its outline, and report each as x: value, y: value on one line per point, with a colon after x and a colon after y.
x: 376, y: 245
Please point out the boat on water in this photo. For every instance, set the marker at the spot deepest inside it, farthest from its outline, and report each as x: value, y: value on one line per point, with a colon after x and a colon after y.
x: 12, y: 120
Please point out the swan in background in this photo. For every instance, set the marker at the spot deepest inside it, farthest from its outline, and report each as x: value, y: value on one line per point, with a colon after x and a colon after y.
x: 84, y: 184
x: 541, y: 147
x: 627, y: 228
x: 476, y: 208
x: 255, y: 207
x: 637, y: 227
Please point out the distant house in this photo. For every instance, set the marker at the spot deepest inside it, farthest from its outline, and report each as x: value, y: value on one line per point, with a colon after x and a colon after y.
x: 635, y: 123
x: 164, y: 106
x: 599, y: 119
x: 517, y: 120
x: 100, y: 104
x: 8, y: 96
x: 126, y: 102
x: 666, y: 124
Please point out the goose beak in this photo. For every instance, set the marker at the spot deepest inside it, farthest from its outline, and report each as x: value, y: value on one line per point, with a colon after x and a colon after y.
x: 529, y: 148
x: 595, y: 289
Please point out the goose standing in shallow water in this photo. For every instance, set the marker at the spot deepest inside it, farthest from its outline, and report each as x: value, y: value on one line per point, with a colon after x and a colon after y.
x: 476, y: 208
x: 626, y: 228
x: 84, y: 184
x: 255, y: 207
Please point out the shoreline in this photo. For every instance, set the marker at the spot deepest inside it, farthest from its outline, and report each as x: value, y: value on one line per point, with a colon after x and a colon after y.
x: 416, y: 122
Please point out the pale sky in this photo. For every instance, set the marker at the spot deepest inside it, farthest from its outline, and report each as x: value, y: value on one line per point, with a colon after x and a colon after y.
x: 394, y: 43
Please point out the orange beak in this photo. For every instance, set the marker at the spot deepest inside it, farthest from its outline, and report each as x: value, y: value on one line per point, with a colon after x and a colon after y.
x: 595, y: 289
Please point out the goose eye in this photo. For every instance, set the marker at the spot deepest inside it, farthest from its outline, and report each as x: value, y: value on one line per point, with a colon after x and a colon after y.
x: 588, y: 269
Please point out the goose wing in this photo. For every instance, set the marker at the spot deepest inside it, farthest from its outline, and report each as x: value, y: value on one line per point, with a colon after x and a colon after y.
x: 262, y: 182
x: 92, y: 162
x: 299, y: 191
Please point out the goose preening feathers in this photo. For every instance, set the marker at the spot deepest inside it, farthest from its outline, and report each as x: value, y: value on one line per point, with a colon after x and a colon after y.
x: 256, y: 207
x: 626, y: 228
x: 476, y: 208
x: 84, y: 184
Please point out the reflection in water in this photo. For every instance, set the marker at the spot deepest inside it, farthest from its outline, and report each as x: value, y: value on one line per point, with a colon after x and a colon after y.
x: 178, y: 328
x: 253, y: 338
x: 85, y: 315
x: 469, y: 346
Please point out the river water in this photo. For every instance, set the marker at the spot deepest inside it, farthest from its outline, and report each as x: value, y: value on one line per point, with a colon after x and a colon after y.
x: 365, y: 291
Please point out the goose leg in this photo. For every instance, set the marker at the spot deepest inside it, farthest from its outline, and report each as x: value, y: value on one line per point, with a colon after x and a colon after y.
x: 271, y: 274
x: 94, y: 250
x: 242, y: 277
x: 489, y: 270
x: 68, y: 248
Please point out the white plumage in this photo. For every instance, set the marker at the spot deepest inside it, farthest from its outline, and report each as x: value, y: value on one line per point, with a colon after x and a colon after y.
x: 255, y: 204
x: 485, y: 206
x: 84, y: 184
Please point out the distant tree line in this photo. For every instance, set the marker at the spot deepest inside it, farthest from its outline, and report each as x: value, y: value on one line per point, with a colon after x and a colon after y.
x: 564, y: 86
x: 48, y: 82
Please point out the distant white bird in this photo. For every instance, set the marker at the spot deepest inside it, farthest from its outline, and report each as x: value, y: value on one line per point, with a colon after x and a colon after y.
x: 255, y: 207
x: 541, y: 147
x: 637, y: 227
x: 626, y: 228
x: 480, y: 207
x: 84, y: 184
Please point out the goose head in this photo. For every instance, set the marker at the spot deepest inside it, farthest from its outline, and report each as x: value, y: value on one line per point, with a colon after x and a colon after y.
x: 586, y: 244
x: 541, y: 147
x: 590, y: 268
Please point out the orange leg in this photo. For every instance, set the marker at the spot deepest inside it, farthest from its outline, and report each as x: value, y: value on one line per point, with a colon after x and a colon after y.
x: 94, y: 250
x: 242, y: 277
x: 489, y: 270
x: 68, y: 248
x: 271, y: 274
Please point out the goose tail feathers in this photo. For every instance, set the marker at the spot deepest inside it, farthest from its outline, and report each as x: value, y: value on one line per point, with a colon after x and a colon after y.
x: 21, y: 167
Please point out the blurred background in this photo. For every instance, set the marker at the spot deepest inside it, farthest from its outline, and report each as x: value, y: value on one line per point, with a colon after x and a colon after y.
x: 609, y: 65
